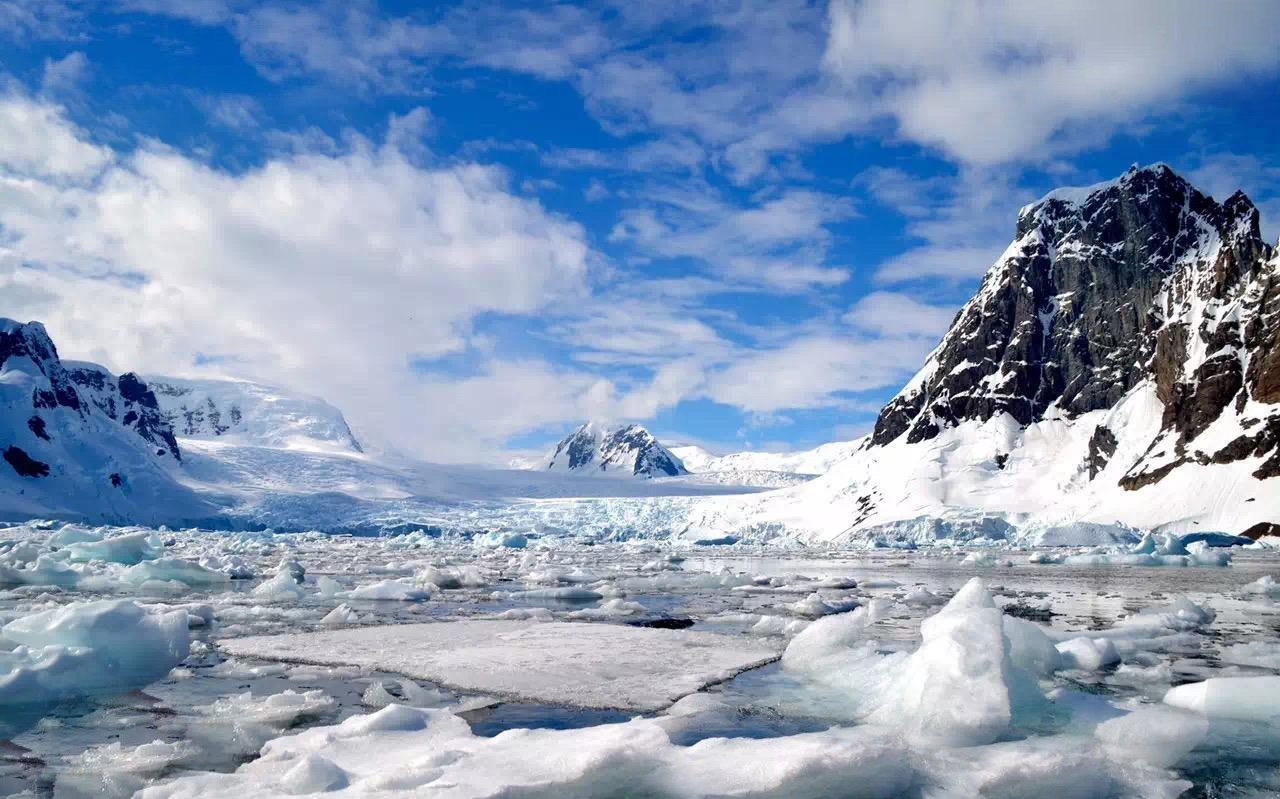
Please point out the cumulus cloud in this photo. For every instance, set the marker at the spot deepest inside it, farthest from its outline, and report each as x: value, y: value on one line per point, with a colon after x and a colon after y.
x: 815, y: 371
x: 893, y: 314
x: 780, y: 243
x: 989, y: 81
x: 327, y: 271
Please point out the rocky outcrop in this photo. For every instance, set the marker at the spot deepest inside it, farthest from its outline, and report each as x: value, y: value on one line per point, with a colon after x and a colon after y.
x: 80, y: 443
x: 1143, y: 279
x: 631, y: 449
x: 126, y: 399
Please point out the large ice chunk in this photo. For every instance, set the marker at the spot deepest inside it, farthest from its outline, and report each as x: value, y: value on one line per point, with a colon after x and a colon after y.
x: 1243, y: 698
x: 584, y: 665
x: 88, y: 647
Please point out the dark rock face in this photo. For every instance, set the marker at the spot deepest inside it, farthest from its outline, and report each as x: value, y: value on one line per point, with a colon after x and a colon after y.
x: 32, y: 341
x: 1102, y: 445
x: 1141, y: 279
x: 37, y: 427
x: 1262, y: 529
x: 24, y: 464
x: 129, y: 401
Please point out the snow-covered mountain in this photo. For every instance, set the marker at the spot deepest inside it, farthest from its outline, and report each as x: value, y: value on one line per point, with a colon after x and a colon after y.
x: 1120, y: 362
x: 811, y: 462
x: 628, y: 450
x: 245, y: 412
x: 80, y: 442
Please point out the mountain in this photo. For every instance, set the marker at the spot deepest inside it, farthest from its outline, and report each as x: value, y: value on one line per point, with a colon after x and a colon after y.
x: 79, y: 442
x: 630, y: 450
x: 1120, y: 362
x: 811, y: 462
x: 245, y: 412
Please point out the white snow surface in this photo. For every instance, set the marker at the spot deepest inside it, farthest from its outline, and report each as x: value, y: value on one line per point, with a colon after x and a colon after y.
x: 244, y: 412
x: 579, y: 665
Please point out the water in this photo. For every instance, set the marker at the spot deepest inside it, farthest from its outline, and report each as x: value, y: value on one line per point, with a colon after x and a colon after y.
x: 45, y: 743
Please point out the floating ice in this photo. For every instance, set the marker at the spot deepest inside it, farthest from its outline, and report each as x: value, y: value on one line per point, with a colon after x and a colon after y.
x: 1243, y: 698
x: 186, y: 572
x: 1265, y: 585
x: 127, y: 549
x: 281, y: 588
x: 389, y: 590
x: 88, y: 647
x: 1160, y: 736
x: 581, y: 665
x: 1088, y: 654
x: 610, y: 609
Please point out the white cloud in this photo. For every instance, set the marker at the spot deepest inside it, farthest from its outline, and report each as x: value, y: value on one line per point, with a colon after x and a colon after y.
x: 815, y: 372
x: 779, y: 244
x: 324, y: 271
x: 990, y: 81
x: 36, y: 140
x: 892, y: 314
x: 64, y: 74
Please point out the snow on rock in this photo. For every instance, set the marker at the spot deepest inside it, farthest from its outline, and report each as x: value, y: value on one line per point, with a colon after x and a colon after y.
x: 1242, y: 698
x: 630, y: 450
x: 580, y: 665
x: 244, y: 412
x: 1079, y: 407
x: 88, y: 647
x: 80, y: 443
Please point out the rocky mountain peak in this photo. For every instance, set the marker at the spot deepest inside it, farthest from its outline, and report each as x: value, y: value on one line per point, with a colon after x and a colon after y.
x: 1140, y: 279
x: 630, y: 449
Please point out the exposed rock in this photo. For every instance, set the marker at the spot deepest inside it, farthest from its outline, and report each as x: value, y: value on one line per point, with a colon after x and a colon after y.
x: 24, y: 464
x: 1102, y: 445
x: 1143, y: 278
x: 1262, y: 529
x: 127, y: 400
x: 629, y: 449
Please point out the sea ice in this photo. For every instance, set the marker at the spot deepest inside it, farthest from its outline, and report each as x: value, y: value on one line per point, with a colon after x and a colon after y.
x: 1243, y: 698
x: 88, y: 647
x: 389, y: 590
x: 580, y: 665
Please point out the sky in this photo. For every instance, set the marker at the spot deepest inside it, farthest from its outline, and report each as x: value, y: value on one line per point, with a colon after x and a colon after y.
x: 472, y: 226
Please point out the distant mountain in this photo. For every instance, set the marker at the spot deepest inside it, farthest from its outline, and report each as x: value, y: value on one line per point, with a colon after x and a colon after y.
x: 80, y: 442
x: 632, y: 450
x: 810, y: 462
x: 1121, y: 361
x: 245, y: 412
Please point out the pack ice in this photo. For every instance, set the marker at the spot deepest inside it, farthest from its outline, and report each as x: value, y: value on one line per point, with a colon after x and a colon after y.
x: 580, y: 665
x: 961, y: 716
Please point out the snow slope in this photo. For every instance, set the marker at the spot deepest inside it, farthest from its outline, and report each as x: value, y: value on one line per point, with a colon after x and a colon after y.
x: 246, y: 412
x: 625, y: 451
x: 805, y: 462
x: 80, y: 443
x: 1120, y: 363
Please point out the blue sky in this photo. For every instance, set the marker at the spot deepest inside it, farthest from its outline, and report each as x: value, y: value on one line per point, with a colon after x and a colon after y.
x: 475, y: 225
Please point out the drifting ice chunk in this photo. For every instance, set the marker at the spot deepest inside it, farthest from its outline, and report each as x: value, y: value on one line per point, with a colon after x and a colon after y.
x: 1088, y: 654
x: 1160, y: 736
x: 127, y: 549
x: 1265, y: 585
x: 1244, y: 698
x: 955, y: 689
x: 88, y: 647
x: 187, y: 572
x: 390, y: 590
x: 583, y: 665
x: 281, y: 588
